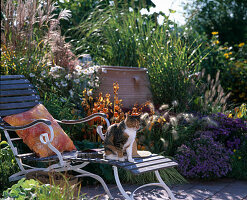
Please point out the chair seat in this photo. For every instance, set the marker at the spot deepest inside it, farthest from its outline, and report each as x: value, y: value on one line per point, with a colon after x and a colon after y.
x: 140, y: 165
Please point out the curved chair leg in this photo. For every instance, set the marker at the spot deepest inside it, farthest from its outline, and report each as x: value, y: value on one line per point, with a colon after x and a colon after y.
x: 169, y: 192
x: 131, y: 197
x: 120, y: 187
x: 98, y: 178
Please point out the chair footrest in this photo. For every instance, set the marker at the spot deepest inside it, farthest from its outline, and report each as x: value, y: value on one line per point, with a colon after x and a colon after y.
x: 24, y: 155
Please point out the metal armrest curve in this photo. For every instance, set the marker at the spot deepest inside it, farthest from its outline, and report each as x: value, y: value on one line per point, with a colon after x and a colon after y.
x: 13, y: 128
x: 88, y: 118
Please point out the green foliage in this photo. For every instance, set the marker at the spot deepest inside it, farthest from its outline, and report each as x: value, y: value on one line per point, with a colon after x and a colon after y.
x: 81, y: 9
x: 171, y: 70
x: 224, y: 24
x: 239, y: 162
x: 32, y: 189
x: 231, y: 62
x: 127, y: 38
x: 24, y: 189
x: 8, y: 165
x: 111, y: 35
x: 227, y: 17
x: 170, y: 175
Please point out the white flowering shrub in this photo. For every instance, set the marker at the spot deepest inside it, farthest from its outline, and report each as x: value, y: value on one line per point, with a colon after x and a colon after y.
x: 67, y: 84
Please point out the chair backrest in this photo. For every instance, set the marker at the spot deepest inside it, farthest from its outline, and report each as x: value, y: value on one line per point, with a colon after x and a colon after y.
x: 17, y: 95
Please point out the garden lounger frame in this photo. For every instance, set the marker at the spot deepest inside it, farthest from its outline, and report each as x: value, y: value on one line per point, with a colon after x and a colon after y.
x: 17, y: 95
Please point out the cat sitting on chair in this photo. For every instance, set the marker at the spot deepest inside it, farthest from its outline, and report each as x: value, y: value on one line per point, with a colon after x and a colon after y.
x: 120, y: 138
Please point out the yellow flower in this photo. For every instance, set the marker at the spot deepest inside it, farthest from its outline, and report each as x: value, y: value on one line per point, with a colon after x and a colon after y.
x: 241, y: 44
x: 230, y: 53
x: 239, y: 115
x: 239, y: 157
x: 242, y: 95
x: 216, y: 42
x: 230, y: 116
x: 215, y: 33
x: 225, y: 54
x: 234, y: 150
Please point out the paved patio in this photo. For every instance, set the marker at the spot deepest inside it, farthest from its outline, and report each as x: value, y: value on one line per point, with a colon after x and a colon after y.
x: 225, y: 189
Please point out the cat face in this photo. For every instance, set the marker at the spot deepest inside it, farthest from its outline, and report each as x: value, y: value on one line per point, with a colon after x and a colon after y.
x: 133, y: 121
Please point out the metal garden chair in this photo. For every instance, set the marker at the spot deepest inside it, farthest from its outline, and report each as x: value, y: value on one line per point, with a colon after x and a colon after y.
x: 17, y: 95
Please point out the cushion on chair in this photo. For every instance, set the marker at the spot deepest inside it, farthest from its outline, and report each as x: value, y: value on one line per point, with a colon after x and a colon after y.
x: 31, y: 135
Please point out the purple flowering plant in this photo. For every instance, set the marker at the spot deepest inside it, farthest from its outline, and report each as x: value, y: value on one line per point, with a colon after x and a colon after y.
x: 204, y: 158
x: 230, y: 132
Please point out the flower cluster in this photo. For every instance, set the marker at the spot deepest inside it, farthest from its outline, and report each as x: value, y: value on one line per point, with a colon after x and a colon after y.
x: 229, y: 131
x: 101, y: 104
x: 204, y: 158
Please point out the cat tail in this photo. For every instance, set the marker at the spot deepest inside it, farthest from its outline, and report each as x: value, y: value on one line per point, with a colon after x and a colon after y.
x: 99, y: 131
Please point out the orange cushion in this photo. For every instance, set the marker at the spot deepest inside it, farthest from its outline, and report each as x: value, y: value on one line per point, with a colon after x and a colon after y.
x: 31, y: 135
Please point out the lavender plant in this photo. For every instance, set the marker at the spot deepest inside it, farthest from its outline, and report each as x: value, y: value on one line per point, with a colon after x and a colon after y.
x: 230, y: 132
x: 204, y: 158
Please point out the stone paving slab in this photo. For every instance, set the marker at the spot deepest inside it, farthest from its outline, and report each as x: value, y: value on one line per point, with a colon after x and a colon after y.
x: 226, y: 189
x: 234, y: 191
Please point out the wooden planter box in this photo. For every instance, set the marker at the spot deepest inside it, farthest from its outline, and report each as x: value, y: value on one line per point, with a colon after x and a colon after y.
x: 133, y: 83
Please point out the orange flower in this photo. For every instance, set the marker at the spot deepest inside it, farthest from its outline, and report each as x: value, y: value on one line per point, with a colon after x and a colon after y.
x: 241, y: 44
x: 143, y: 148
x: 150, y: 127
x: 115, y: 114
x: 116, y: 107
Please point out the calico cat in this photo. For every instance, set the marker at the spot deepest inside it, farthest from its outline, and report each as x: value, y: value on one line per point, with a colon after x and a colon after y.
x: 120, y: 138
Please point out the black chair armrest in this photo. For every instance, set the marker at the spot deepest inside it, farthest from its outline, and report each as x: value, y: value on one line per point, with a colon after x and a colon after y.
x: 102, y: 115
x: 14, y: 128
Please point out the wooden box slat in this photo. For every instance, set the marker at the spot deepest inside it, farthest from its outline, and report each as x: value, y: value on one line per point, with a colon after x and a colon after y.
x: 8, y: 106
x: 16, y: 93
x: 8, y: 82
x: 134, y: 86
x: 9, y: 77
x: 15, y: 87
x: 19, y: 99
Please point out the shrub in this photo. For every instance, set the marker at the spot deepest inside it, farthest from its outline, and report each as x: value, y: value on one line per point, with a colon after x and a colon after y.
x: 37, y: 50
x: 239, y: 162
x: 116, y: 36
x: 8, y: 165
x: 32, y: 189
x: 231, y: 62
x: 203, y: 158
x: 230, y: 132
